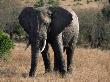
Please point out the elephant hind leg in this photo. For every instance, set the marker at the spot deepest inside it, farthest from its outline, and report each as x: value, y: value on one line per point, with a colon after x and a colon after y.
x: 69, y: 52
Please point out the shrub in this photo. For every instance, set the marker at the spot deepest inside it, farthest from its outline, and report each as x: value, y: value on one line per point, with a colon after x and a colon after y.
x: 106, y: 12
x: 39, y: 3
x: 1, y: 27
x: 6, y: 44
x: 15, y: 31
x: 87, y: 21
x: 94, y: 30
x: 53, y: 2
x: 18, y: 32
x: 49, y: 2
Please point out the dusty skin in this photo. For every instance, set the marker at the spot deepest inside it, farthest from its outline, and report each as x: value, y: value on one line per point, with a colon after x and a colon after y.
x: 90, y: 65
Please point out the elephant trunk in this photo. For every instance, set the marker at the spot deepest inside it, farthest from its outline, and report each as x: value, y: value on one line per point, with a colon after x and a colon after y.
x: 34, y: 58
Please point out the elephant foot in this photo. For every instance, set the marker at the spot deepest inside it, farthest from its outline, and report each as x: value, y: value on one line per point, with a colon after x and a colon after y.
x: 25, y: 75
x: 49, y: 70
x: 31, y: 74
x: 55, y: 69
x: 69, y: 70
x: 63, y: 73
x: 61, y: 69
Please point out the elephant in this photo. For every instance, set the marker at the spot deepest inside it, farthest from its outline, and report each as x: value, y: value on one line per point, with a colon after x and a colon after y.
x: 56, y: 26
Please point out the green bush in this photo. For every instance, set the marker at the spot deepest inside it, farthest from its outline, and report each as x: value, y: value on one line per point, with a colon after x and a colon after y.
x: 40, y: 3
x: 18, y: 29
x: 87, y: 21
x: 106, y: 12
x: 15, y: 31
x: 6, y: 44
x: 1, y: 27
x: 53, y: 2
x: 94, y: 30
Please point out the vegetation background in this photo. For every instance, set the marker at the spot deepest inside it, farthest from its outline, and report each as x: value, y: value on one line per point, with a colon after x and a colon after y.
x: 92, y: 56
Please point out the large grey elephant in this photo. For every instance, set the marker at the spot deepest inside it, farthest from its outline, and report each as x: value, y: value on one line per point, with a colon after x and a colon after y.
x: 56, y: 26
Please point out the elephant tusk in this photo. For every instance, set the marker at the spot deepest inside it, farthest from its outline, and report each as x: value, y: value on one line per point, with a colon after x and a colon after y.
x: 43, y: 46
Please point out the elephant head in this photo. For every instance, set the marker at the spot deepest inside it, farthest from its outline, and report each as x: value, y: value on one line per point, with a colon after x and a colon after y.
x: 35, y: 22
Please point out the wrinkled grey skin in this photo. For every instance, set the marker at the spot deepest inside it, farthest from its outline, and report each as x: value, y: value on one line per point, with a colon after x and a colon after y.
x: 59, y: 27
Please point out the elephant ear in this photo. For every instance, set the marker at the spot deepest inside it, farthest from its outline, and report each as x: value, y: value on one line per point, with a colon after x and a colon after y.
x: 23, y: 19
x: 28, y: 19
x: 60, y: 19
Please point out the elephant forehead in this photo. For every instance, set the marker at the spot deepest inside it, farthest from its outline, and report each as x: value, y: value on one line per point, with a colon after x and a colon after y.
x: 44, y: 13
x: 45, y: 17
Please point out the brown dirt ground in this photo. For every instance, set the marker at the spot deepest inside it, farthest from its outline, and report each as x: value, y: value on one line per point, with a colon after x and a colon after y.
x: 90, y: 65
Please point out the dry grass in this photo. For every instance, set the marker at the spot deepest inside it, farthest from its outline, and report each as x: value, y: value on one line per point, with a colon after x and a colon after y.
x: 90, y: 65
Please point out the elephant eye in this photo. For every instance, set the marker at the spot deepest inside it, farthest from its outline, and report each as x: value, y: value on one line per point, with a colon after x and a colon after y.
x: 45, y: 23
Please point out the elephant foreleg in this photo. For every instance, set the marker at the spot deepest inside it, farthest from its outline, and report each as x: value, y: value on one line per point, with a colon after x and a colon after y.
x: 59, y: 63
x: 46, y: 59
x: 34, y: 57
